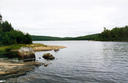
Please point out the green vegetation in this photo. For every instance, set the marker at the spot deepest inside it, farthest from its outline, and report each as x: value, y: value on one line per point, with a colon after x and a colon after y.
x: 39, y: 38
x: 116, y: 34
x: 9, y: 36
x: 11, y: 39
x: 11, y: 50
x: 17, y: 46
x: 4, y: 50
x: 49, y: 38
x: 87, y: 37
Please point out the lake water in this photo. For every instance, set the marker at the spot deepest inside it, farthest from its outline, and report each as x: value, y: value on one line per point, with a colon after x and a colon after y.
x: 81, y: 62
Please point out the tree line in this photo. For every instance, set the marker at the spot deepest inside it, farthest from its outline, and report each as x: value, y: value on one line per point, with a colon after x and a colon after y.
x: 9, y: 36
x: 116, y: 34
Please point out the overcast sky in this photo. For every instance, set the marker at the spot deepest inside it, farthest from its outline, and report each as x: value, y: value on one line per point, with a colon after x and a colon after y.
x: 64, y: 17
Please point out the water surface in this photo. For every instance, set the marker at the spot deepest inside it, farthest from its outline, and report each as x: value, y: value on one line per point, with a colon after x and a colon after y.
x: 81, y: 62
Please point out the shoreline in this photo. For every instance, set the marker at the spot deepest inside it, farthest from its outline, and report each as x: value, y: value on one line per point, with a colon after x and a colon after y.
x: 48, y: 48
x: 10, y: 69
x: 34, y: 46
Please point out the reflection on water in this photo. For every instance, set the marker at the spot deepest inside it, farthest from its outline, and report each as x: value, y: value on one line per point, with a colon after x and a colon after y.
x: 81, y: 62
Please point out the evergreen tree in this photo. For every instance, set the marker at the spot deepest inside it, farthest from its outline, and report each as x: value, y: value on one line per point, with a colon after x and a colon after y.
x: 6, y: 27
x: 28, y: 39
x: 10, y: 36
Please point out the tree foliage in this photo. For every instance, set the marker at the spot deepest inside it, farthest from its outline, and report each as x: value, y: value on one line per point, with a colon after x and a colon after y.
x: 116, y: 34
x: 10, y: 36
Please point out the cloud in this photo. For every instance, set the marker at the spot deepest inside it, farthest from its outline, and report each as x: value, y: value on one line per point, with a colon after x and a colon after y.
x: 64, y: 17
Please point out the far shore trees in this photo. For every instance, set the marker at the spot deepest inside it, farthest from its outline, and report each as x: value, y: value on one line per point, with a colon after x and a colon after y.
x: 116, y: 34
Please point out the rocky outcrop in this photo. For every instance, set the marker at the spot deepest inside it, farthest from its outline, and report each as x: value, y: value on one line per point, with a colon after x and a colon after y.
x: 26, y: 53
x: 56, y: 49
x: 11, y: 69
x: 48, y: 56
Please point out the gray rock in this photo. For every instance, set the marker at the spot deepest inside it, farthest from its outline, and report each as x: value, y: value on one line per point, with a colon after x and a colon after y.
x: 26, y: 53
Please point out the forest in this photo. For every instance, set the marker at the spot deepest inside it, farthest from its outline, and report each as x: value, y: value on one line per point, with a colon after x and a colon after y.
x: 9, y: 36
x: 115, y: 34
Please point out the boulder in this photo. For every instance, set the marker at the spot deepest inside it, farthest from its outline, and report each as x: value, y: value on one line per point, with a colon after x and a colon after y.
x: 48, y: 56
x: 56, y: 49
x: 26, y: 53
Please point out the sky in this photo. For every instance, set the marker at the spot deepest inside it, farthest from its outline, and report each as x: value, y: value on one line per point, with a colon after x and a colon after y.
x: 64, y: 18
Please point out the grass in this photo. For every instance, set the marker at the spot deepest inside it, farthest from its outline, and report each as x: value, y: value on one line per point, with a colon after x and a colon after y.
x: 36, y: 45
x: 17, y: 46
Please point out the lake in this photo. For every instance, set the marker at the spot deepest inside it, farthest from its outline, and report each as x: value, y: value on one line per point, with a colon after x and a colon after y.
x: 81, y: 62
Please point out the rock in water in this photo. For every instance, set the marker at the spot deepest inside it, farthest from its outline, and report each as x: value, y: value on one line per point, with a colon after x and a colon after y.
x: 56, y: 49
x: 26, y: 53
x: 48, y: 56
